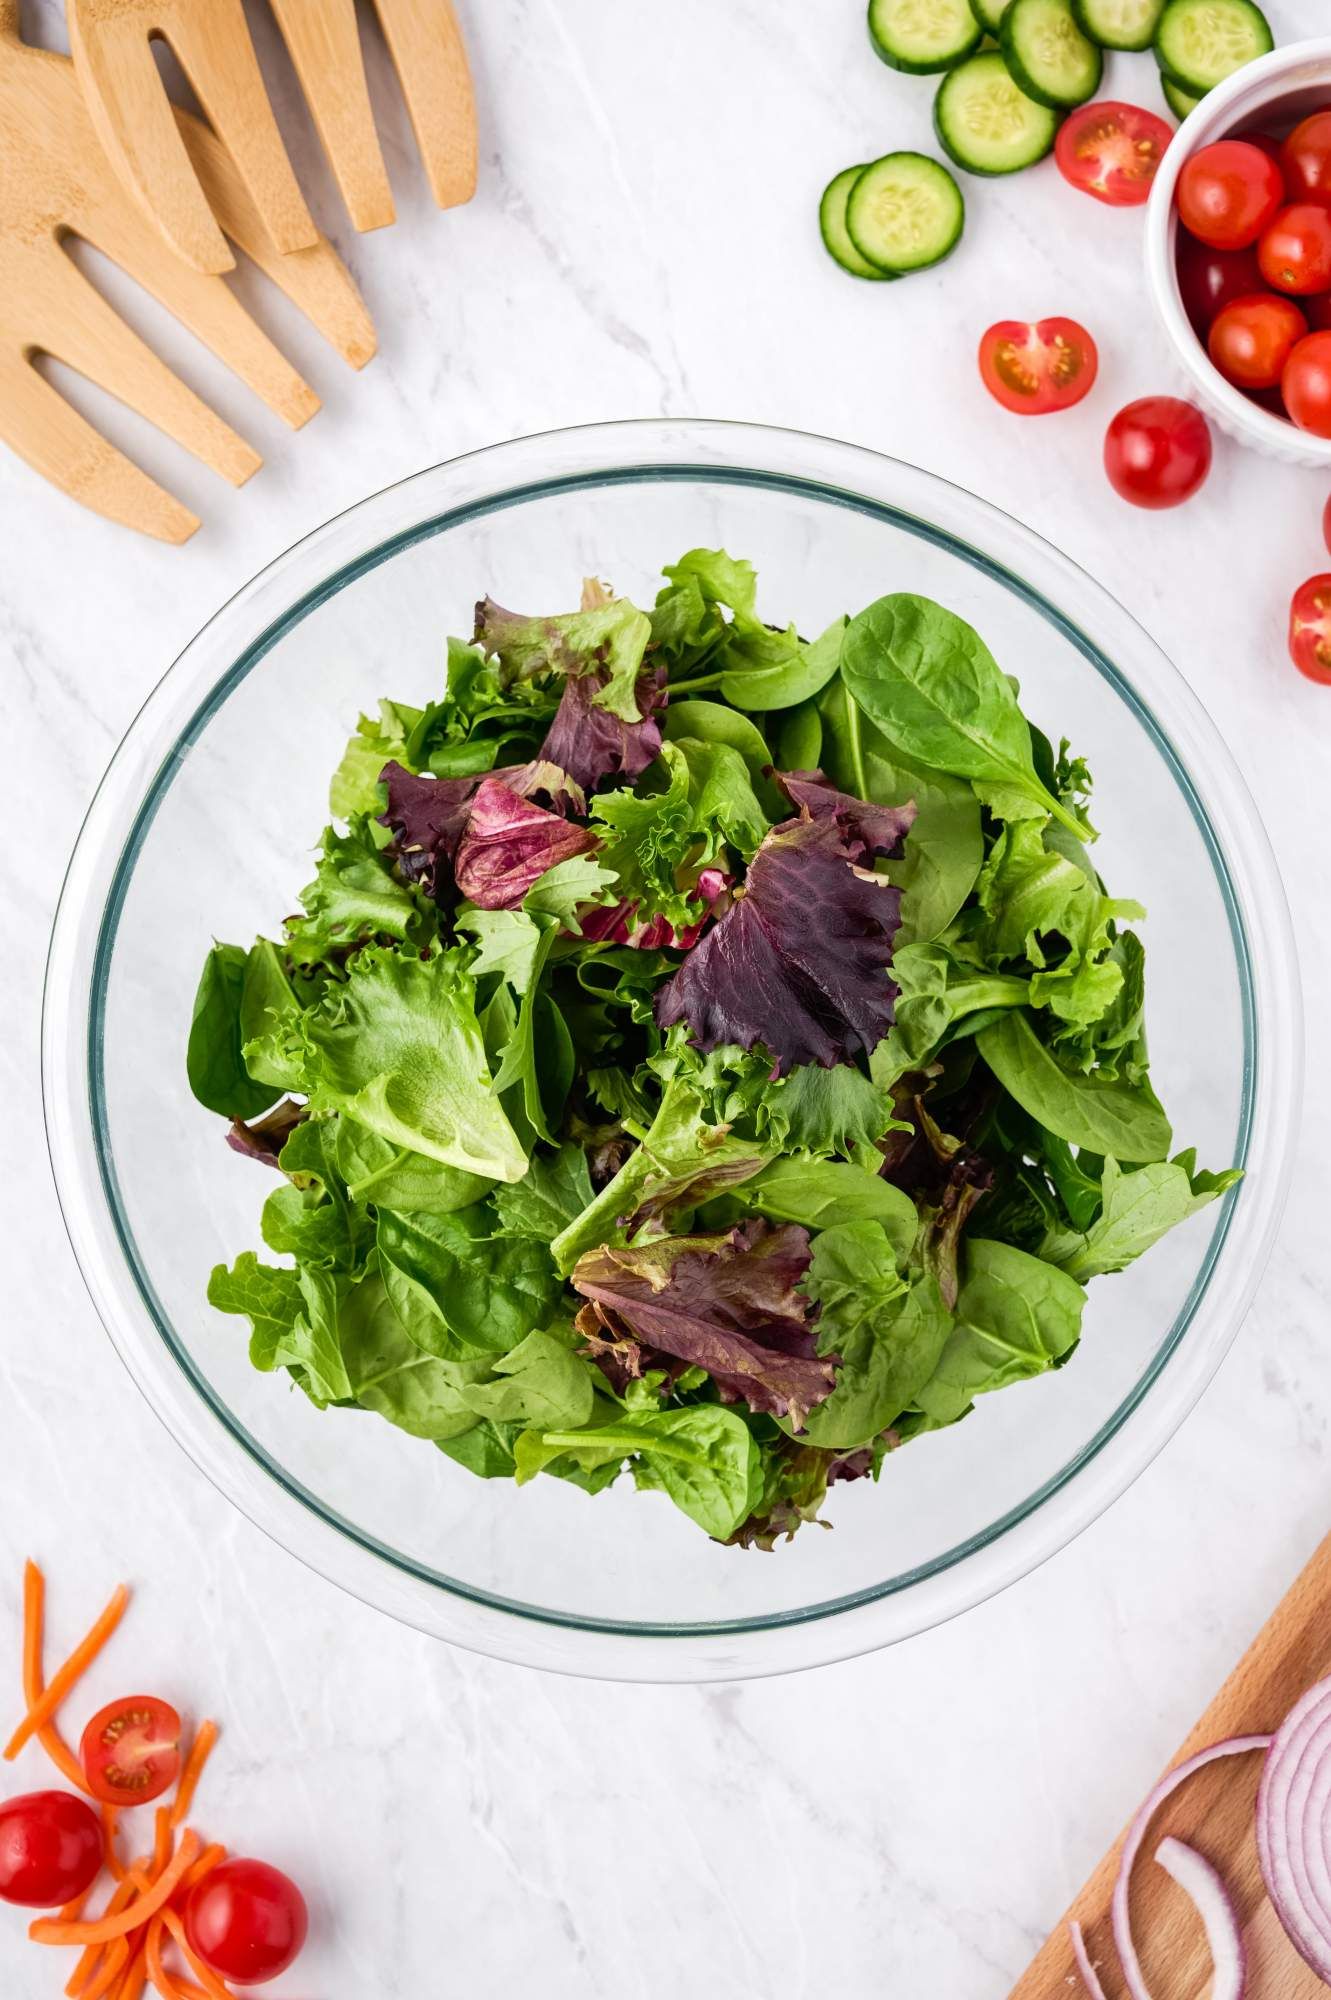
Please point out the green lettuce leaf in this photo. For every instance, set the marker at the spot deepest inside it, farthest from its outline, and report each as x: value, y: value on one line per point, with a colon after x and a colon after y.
x: 888, y: 1336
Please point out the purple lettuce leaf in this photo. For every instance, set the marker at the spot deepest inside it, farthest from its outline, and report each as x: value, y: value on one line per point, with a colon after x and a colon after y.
x: 866, y: 829
x: 729, y: 1304
x: 265, y: 1138
x: 429, y: 816
x: 592, y: 743
x: 800, y: 962
x: 508, y: 843
x: 618, y: 923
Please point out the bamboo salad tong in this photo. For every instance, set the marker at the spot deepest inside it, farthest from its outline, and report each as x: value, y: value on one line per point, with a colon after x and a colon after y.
x: 167, y: 202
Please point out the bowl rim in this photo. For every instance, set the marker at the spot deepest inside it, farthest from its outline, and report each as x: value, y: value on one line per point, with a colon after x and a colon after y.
x: 71, y: 1049
x: 1209, y: 120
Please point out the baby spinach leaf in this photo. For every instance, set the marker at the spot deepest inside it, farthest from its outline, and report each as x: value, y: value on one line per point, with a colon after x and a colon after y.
x: 797, y: 739
x: 394, y: 1177
x: 1137, y: 1209
x: 823, y: 1193
x: 542, y: 1383
x: 486, y: 1450
x: 704, y: 1458
x: 932, y: 686
x: 1098, y: 1113
x: 781, y: 672
x: 460, y: 1290
x: 390, y: 1375
x: 553, y: 1194
x: 214, y: 1063
x: 888, y: 1338
x: 1016, y: 1317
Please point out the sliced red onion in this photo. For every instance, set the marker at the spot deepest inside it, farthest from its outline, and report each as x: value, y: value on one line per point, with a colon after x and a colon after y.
x: 1089, y: 1976
x: 1200, y: 1881
x: 1292, y: 1810
x: 1232, y: 1746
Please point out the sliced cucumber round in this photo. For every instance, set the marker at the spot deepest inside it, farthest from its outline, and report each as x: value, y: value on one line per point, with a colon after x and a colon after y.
x: 1048, y: 54
x: 904, y: 212
x: 1180, y: 102
x: 1200, y: 42
x: 832, y: 222
x: 989, y: 14
x: 986, y: 122
x: 921, y: 36
x: 1118, y: 24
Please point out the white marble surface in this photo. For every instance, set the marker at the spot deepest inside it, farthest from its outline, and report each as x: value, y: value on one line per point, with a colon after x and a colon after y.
x: 908, y: 1825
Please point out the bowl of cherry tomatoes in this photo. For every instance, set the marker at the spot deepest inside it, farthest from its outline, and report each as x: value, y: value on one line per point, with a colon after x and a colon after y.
x: 1238, y: 252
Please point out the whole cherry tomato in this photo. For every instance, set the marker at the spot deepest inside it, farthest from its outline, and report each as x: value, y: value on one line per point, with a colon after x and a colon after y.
x: 1111, y: 151
x: 1310, y: 629
x: 1317, y: 311
x: 1305, y: 159
x: 1035, y: 368
x: 1209, y: 279
x: 1305, y: 384
x: 1157, y: 451
x: 247, y: 1921
x: 51, y: 1848
x: 1295, y: 249
x: 1251, y: 340
x: 1228, y: 192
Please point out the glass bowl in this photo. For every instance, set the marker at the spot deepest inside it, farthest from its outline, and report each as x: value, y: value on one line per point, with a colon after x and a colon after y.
x: 204, y: 826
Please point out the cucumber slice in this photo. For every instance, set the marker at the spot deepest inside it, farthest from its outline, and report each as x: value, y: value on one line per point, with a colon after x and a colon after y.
x: 1048, y: 54
x: 1180, y: 102
x: 921, y: 36
x: 1119, y: 24
x: 989, y: 14
x: 986, y: 123
x: 1200, y: 42
x: 832, y: 222
x: 905, y: 212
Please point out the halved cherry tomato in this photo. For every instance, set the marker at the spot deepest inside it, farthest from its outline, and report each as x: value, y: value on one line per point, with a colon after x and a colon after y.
x: 1295, y: 250
x: 1310, y: 629
x: 1208, y: 279
x: 1251, y: 339
x: 247, y: 1921
x: 130, y: 1751
x: 51, y: 1847
x: 1035, y: 368
x: 1111, y: 151
x: 1305, y: 384
x: 1305, y: 159
x: 1157, y: 451
x: 1228, y: 192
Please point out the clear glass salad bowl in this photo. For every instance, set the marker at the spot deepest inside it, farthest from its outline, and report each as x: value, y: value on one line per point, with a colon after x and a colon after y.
x: 203, y: 828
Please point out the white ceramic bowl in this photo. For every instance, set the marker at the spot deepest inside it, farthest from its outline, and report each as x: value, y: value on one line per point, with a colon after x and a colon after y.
x: 1273, y: 93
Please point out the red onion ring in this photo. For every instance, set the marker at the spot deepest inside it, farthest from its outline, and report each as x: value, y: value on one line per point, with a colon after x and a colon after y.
x: 1293, y: 1802
x: 1232, y: 1746
x: 1203, y: 1885
x: 1090, y: 1977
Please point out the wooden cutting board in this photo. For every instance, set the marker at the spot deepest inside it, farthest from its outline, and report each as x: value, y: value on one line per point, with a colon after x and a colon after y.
x: 1212, y: 1811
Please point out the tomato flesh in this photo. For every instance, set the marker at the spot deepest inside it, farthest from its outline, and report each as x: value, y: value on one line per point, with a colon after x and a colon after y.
x: 1305, y: 384
x: 1112, y: 151
x: 130, y: 1751
x: 1228, y: 193
x: 1251, y: 339
x: 1033, y: 369
x: 1157, y: 451
x: 1295, y: 249
x: 1305, y: 159
x: 1208, y: 280
x: 246, y: 1921
x: 51, y: 1848
x: 1310, y: 629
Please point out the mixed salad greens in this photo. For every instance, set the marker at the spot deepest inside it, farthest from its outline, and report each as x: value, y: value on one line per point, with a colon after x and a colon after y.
x: 701, y: 1051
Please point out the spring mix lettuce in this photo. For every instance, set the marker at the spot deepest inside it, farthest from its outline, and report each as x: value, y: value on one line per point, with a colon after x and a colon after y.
x: 701, y: 1053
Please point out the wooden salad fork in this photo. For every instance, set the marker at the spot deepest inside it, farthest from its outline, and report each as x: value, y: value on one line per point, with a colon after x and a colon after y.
x: 55, y: 182
x: 111, y: 44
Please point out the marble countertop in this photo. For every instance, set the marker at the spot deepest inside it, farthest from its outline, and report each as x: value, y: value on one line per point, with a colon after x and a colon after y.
x: 643, y: 243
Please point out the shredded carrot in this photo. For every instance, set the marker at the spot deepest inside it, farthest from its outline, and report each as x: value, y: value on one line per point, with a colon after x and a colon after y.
x: 163, y: 1838
x: 117, y: 1958
x: 211, y: 1984
x: 136, y: 1976
x: 34, y: 1618
x: 67, y: 1676
x: 110, y: 1829
x: 73, y: 1910
x: 158, y: 1976
x: 49, y: 1930
x: 205, y: 1865
x: 192, y: 1770
x: 78, y: 1979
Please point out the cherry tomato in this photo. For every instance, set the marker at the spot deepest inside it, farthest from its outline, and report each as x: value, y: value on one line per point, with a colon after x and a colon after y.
x: 1228, y: 192
x: 1264, y: 143
x: 1157, y: 451
x: 130, y: 1751
x: 1305, y: 384
x: 247, y: 1921
x: 1251, y: 339
x: 1208, y: 279
x: 1317, y: 311
x: 1295, y: 249
x: 1111, y: 151
x: 1035, y: 368
x: 1310, y: 629
x: 51, y: 1849
x: 1305, y: 159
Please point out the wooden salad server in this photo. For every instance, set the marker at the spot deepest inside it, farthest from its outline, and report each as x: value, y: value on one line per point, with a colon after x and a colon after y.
x: 55, y: 182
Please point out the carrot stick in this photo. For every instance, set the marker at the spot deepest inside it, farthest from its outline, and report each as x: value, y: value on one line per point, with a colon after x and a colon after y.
x: 117, y: 1958
x: 163, y: 1840
x: 192, y: 1770
x: 49, y: 1930
x: 208, y: 1979
x: 82, y: 1972
x: 72, y: 1911
x: 67, y: 1676
x: 110, y: 1828
x: 136, y: 1976
x: 34, y: 1618
x: 158, y: 1976
x: 205, y: 1865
